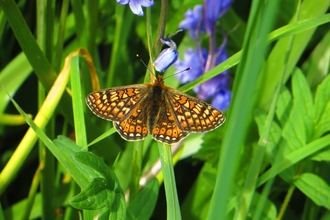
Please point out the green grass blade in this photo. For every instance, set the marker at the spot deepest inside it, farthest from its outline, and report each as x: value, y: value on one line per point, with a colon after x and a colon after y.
x: 136, y: 170
x: 272, y: 72
x: 78, y: 102
x: 295, y: 157
x: 172, y: 202
x: 242, y: 103
x: 12, y: 77
x: 27, y: 143
x: 36, y: 57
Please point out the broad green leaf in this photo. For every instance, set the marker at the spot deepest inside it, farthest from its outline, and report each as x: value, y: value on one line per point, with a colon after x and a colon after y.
x: 104, y: 190
x: 315, y: 188
x: 322, y: 115
x: 96, y: 195
x: 67, y: 145
x: 303, y: 101
x: 294, y: 130
x: 323, y: 156
x: 104, y: 187
x: 308, y: 9
x: 299, y: 127
x: 317, y: 65
x: 130, y: 216
x: 68, y: 148
x: 276, y: 146
x: 284, y: 106
x: 274, y: 135
x: 143, y: 204
x: 211, y: 146
x: 104, y: 215
x: 268, y: 212
x: 117, y: 211
x: 94, y: 166
x: 322, y: 108
x: 295, y: 157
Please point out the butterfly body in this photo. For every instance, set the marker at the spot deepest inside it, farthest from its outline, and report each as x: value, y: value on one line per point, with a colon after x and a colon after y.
x: 156, y: 100
x: 166, y: 113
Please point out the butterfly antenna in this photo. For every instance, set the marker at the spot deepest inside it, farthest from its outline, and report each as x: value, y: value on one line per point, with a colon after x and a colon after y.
x: 145, y: 65
x: 182, y: 71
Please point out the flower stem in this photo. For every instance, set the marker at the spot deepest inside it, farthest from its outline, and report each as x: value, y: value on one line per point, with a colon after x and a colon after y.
x: 161, y: 27
x: 211, y: 58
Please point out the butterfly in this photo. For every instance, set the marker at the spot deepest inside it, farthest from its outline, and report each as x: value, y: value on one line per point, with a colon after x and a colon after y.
x: 169, y: 115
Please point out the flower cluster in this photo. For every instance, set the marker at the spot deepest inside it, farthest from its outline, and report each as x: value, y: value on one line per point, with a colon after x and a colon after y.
x: 202, y: 20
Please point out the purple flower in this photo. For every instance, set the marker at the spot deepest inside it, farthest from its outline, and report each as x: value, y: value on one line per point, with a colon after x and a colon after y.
x: 215, y: 88
x: 193, y: 21
x: 136, y: 5
x: 222, y: 100
x: 211, y: 87
x: 213, y: 10
x: 167, y: 57
x: 204, y: 17
x: 193, y: 59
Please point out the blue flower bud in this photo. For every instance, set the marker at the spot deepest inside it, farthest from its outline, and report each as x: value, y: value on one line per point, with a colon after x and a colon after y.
x: 167, y: 57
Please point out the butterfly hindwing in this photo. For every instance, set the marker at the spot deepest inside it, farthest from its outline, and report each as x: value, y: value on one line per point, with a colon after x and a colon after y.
x: 133, y: 127
x: 166, y: 129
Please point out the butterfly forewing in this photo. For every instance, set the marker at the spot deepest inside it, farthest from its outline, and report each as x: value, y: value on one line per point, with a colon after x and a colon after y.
x: 192, y: 114
x: 116, y: 103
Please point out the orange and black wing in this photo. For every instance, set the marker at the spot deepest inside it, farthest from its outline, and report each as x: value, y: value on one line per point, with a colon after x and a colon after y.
x: 134, y: 127
x: 166, y: 129
x: 193, y: 115
x: 117, y: 103
x: 123, y: 106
